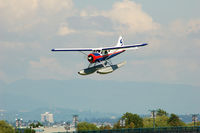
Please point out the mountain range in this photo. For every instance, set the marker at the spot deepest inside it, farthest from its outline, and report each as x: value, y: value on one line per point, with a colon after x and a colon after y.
x: 91, y: 98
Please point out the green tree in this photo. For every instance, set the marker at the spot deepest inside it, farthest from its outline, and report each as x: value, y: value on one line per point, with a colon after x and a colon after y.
x: 132, y: 118
x: 192, y: 124
x: 5, y: 127
x: 132, y: 125
x: 101, y: 127
x: 160, y: 121
x: 148, y: 122
x: 106, y: 127
x: 85, y: 126
x: 39, y: 124
x: 161, y: 112
x: 29, y: 130
x: 175, y: 121
x: 26, y: 130
x: 32, y: 125
x: 117, y: 125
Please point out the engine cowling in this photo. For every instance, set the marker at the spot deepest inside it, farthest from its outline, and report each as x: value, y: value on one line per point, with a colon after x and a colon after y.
x: 91, y: 58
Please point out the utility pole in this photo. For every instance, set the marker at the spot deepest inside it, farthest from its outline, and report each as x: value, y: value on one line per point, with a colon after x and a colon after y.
x: 153, y: 113
x: 195, y: 119
x: 75, y: 122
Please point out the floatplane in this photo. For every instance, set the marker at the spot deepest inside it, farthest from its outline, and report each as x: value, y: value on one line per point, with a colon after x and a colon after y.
x: 99, y: 58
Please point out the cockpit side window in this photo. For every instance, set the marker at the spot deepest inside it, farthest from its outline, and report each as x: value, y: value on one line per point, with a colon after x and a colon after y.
x: 105, y: 52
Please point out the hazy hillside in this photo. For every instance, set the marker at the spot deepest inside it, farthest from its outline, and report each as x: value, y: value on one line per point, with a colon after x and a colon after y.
x: 88, y: 97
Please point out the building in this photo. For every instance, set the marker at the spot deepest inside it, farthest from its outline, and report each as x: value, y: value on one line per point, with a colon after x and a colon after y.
x: 75, y: 121
x: 47, y: 117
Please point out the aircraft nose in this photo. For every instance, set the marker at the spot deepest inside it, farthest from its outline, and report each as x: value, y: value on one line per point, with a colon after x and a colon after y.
x: 90, y: 58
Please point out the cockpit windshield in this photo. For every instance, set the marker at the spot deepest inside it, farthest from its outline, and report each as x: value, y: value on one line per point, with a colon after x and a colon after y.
x: 96, y: 51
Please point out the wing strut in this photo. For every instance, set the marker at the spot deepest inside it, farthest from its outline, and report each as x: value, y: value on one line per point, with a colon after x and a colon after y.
x: 83, y: 53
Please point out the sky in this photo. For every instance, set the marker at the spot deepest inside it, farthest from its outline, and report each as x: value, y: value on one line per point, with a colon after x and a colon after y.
x: 30, y: 29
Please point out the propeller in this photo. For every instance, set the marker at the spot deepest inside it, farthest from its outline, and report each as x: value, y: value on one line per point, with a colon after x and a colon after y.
x: 85, y: 56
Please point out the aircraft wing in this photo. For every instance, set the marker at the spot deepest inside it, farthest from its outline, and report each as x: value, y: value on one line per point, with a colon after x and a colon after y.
x: 72, y: 49
x: 125, y: 47
x: 104, y: 48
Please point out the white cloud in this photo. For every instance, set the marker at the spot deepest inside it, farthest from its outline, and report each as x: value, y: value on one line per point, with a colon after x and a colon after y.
x: 129, y: 16
x: 83, y: 13
x: 8, y: 48
x: 12, y: 45
x: 14, y: 58
x: 65, y: 30
x: 184, y: 28
x: 90, y: 12
x: 104, y: 33
x: 54, y: 6
x: 48, y: 68
x: 17, y: 9
x: 23, y: 15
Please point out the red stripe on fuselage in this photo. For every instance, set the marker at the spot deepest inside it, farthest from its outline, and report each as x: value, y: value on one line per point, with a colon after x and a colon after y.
x: 95, y: 58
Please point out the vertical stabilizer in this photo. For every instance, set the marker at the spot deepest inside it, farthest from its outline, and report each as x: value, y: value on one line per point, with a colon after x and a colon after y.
x: 120, y: 42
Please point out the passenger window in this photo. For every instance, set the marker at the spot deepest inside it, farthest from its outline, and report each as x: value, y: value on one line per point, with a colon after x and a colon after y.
x: 106, y: 52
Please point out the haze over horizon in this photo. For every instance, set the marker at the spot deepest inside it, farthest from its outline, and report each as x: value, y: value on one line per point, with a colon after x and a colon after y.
x: 165, y: 74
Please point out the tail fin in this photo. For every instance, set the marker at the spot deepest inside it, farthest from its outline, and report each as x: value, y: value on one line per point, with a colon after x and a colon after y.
x: 120, y: 42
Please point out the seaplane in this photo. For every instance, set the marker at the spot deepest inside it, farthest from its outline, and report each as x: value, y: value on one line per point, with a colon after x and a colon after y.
x: 100, y: 58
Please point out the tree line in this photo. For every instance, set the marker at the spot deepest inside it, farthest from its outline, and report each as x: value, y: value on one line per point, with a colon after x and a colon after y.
x: 7, y: 128
x: 130, y: 120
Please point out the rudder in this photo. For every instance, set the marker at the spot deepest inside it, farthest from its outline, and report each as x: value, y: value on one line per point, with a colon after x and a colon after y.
x: 120, y: 42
